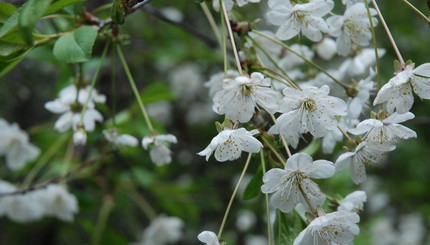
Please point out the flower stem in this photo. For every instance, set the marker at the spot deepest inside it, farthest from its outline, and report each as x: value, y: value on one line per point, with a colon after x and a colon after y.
x: 290, y: 82
x: 43, y: 160
x: 417, y: 11
x: 212, y: 22
x: 135, y: 91
x: 280, y: 158
x: 93, y: 82
x: 375, y: 46
x: 284, y: 142
x: 387, y: 30
x: 227, y: 211
x: 269, y: 230
x: 142, y: 203
x: 102, y: 219
x: 230, y: 33
x: 345, y: 86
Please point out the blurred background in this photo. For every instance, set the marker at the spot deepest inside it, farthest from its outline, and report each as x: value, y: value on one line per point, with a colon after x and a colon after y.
x: 172, y: 52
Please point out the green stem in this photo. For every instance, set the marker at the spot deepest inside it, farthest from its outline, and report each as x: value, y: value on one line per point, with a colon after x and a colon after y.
x: 290, y: 82
x: 143, y: 204
x: 233, y: 44
x: 102, y: 219
x: 345, y: 86
x: 133, y: 86
x: 280, y: 158
x: 372, y: 28
x: 93, y: 82
x: 212, y: 22
x: 284, y: 142
x: 43, y: 160
x: 417, y: 11
x: 269, y: 230
x: 387, y: 30
x: 227, y: 211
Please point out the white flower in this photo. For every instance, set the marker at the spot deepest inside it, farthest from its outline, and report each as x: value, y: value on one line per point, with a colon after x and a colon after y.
x: 386, y: 130
x: 241, y: 95
x: 80, y: 137
x: 186, y: 81
x: 289, y: 185
x: 246, y: 220
x: 58, y: 202
x: 353, y: 26
x: 208, y: 237
x: 334, y: 228
x: 326, y: 49
x: 365, y: 154
x: 398, y: 91
x: 229, y: 144
x: 216, y: 80
x: 163, y: 230
x: 290, y: 60
x: 308, y: 110
x: 15, y: 145
x: 160, y: 153
x: 227, y: 3
x: 361, y: 100
x: 335, y: 135
x: 70, y: 103
x: 353, y: 202
x: 305, y: 18
x: 117, y: 139
x: 352, y: 2
x: 161, y: 111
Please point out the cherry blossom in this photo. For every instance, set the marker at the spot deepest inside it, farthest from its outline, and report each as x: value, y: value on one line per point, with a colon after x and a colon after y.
x: 160, y: 154
x: 117, y: 139
x: 334, y: 228
x: 353, y: 202
x: 208, y: 237
x: 229, y: 144
x: 397, y: 93
x: 241, y: 95
x: 162, y: 230
x: 292, y: 185
x: 296, y: 18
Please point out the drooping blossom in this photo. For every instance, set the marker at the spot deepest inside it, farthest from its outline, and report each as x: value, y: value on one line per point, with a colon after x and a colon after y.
x: 160, y: 153
x: 293, y: 184
x: 114, y: 137
x: 162, y: 230
x: 353, y: 202
x: 208, y: 237
x: 229, y: 144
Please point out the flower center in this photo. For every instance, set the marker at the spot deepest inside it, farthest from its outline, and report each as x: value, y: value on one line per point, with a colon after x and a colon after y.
x: 309, y: 105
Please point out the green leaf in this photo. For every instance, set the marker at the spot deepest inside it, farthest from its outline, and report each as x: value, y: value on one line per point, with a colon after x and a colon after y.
x: 10, y: 48
x: 77, y: 46
x: 58, y: 5
x: 287, y: 227
x: 118, y: 11
x: 157, y: 92
x: 253, y: 188
x: 10, y: 24
x: 6, y: 11
x: 29, y: 15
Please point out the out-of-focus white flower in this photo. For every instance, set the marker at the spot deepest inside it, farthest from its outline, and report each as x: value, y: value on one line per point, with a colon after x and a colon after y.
x: 200, y: 113
x: 353, y: 202
x: 162, y: 230
x: 334, y: 228
x: 80, y: 137
x: 364, y: 87
x: 353, y: 26
x: 160, y: 154
x: 289, y: 185
x: 117, y: 139
x: 412, y: 229
x: 227, y: 3
x: 229, y: 144
x: 352, y: 2
x: 172, y: 14
x: 70, y: 103
x: 161, y: 111
x: 58, y: 202
x: 208, y: 237
x: 305, y: 18
x: 398, y: 91
x: 15, y: 145
x: 308, y: 110
x: 242, y: 3
x: 387, y: 130
x: 255, y: 240
x: 245, y: 220
x: 359, y: 65
x: 290, y: 60
x: 241, y: 95
x: 365, y: 154
x: 326, y: 49
x: 186, y: 81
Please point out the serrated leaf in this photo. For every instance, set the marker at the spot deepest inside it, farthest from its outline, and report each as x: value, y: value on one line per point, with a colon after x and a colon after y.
x: 58, y: 5
x: 253, y: 188
x: 6, y: 11
x: 118, y: 11
x: 77, y: 46
x: 29, y: 15
x: 287, y: 227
